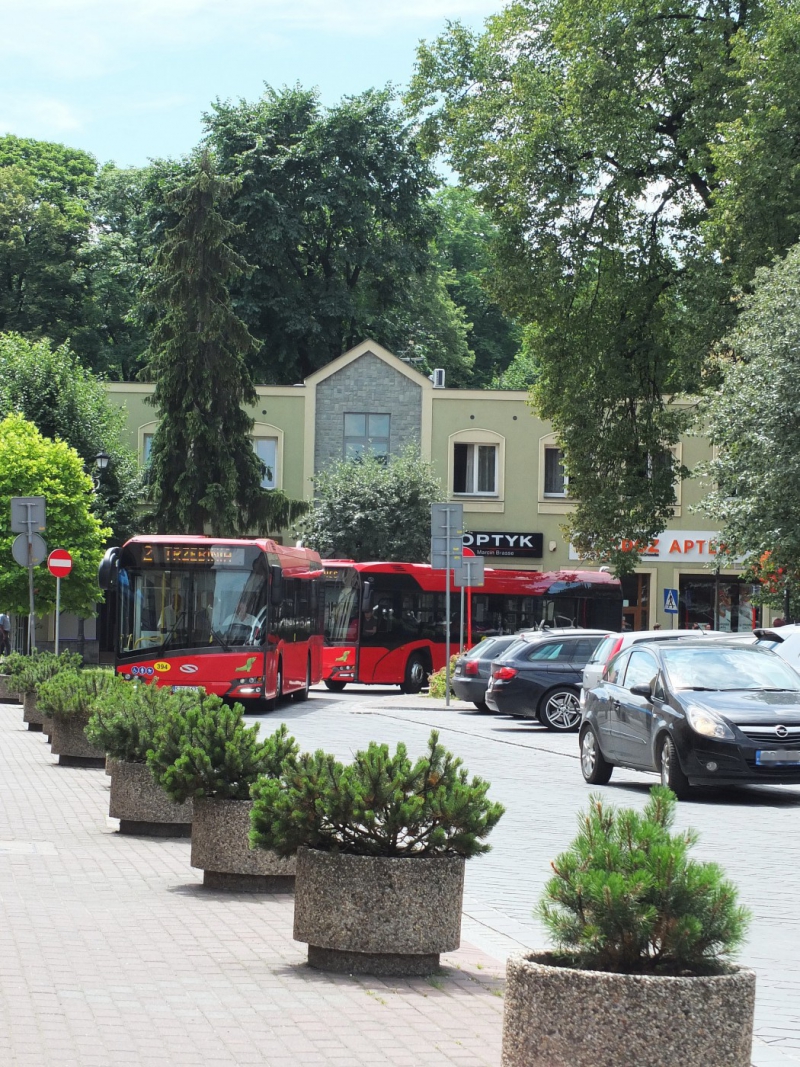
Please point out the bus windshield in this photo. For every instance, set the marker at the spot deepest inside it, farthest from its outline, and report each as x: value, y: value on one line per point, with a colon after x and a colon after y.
x: 342, y: 602
x: 166, y: 609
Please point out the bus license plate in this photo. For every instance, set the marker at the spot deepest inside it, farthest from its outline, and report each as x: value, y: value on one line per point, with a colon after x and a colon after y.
x: 184, y: 688
x: 778, y: 757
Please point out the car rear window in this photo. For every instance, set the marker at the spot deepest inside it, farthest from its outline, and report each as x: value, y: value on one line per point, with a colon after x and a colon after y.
x: 603, y: 650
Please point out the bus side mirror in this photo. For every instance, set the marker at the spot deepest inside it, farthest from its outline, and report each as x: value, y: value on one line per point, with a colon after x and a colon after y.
x: 276, y: 586
x: 366, y: 595
x: 108, y: 571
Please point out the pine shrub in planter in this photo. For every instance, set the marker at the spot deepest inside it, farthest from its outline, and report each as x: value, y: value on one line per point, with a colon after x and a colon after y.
x: 641, y: 972
x: 381, y: 845
x: 125, y: 726
x: 10, y: 667
x: 68, y: 698
x: 38, y: 668
x: 219, y: 760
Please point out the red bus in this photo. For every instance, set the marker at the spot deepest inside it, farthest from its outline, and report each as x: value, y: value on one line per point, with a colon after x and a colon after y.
x: 241, y: 618
x: 385, y: 622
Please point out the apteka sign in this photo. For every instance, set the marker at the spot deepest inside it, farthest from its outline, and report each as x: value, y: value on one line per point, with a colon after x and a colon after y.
x: 688, y: 546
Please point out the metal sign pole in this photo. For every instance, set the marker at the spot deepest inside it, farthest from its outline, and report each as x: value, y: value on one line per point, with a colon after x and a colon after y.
x: 31, y: 606
x: 461, y: 621
x: 447, y: 614
x: 58, y: 609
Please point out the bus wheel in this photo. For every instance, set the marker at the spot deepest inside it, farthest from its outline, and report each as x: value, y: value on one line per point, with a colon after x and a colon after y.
x: 334, y: 686
x: 416, y: 674
x: 302, y: 694
x: 271, y: 703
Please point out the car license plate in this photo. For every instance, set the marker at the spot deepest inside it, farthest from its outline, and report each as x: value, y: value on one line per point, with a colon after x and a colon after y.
x: 778, y: 757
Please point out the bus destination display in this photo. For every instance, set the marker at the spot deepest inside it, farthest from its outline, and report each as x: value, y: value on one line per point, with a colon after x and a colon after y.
x: 160, y: 555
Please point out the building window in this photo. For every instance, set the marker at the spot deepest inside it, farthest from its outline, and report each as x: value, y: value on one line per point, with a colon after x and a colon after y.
x: 475, y: 469
x: 555, y: 480
x: 365, y: 432
x: 147, y: 445
x: 266, y: 448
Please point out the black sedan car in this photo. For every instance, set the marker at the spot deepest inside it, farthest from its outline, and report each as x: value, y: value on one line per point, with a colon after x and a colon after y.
x: 695, y: 712
x: 540, y: 676
x: 474, y: 667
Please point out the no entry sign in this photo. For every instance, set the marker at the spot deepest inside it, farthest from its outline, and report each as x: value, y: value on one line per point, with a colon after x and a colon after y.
x: 59, y: 562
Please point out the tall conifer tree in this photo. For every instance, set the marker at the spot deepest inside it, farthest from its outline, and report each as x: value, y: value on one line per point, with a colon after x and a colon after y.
x: 204, y: 472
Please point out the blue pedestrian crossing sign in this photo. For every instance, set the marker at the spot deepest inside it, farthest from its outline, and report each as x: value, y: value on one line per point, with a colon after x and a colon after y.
x: 671, y: 601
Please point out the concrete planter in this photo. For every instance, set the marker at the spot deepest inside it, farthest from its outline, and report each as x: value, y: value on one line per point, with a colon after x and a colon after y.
x: 377, y: 914
x: 142, y: 806
x: 30, y: 713
x: 69, y: 743
x: 220, y: 847
x: 7, y: 694
x: 561, y: 1017
x: 47, y: 726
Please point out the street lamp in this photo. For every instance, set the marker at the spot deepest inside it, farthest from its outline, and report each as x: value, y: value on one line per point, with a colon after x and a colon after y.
x: 101, y: 461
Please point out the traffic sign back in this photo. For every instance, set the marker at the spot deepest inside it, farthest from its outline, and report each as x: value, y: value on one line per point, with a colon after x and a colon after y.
x: 59, y: 562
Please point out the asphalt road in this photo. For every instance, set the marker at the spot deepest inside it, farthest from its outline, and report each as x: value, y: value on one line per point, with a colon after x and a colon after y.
x: 751, y: 832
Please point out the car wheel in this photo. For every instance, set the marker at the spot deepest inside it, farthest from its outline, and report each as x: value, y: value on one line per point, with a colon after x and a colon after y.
x: 595, y: 767
x: 302, y: 694
x: 481, y: 705
x: 672, y: 775
x: 416, y: 675
x: 560, y: 710
x: 334, y: 686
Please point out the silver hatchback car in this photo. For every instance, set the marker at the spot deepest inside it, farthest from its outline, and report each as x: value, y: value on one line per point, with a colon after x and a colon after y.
x: 593, y: 671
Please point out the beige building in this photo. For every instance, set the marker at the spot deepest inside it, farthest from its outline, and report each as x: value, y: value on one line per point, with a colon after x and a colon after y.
x: 493, y: 455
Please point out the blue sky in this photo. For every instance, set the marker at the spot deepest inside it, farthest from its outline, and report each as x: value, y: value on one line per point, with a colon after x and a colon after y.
x: 129, y: 79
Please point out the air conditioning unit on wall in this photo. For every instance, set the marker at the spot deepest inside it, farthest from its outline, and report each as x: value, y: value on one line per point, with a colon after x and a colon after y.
x: 438, y: 378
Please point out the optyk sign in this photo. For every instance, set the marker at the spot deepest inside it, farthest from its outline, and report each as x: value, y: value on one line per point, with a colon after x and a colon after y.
x: 505, y: 544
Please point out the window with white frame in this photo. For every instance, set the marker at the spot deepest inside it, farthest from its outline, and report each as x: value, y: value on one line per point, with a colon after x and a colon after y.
x: 147, y: 445
x: 474, y: 469
x: 366, y: 432
x: 266, y: 448
x: 555, y: 479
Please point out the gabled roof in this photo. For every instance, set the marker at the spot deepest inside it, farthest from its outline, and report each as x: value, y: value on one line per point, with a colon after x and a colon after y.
x: 376, y: 350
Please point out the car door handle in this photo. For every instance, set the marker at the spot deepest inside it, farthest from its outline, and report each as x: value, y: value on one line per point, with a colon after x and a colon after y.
x: 615, y: 705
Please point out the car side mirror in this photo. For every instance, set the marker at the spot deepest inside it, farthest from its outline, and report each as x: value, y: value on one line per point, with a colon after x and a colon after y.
x: 645, y: 691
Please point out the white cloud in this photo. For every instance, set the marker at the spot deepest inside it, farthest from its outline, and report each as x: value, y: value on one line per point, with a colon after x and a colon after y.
x: 41, y: 116
x: 80, y: 38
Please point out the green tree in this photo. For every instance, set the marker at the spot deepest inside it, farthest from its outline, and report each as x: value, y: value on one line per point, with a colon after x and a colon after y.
x: 365, y: 509
x: 51, y: 389
x: 44, y: 225
x: 204, y: 471
x: 336, y: 213
x: 463, y: 252
x: 589, y: 131
x: 33, y: 465
x: 753, y: 419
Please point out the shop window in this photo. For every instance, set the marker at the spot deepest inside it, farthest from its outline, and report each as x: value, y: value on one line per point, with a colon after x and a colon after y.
x: 726, y: 604
x: 366, y: 432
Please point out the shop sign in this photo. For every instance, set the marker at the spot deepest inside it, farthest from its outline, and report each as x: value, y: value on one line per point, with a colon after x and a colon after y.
x: 678, y: 546
x: 505, y: 544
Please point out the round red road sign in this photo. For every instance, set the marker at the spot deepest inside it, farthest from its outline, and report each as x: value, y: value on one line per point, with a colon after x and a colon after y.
x: 59, y: 562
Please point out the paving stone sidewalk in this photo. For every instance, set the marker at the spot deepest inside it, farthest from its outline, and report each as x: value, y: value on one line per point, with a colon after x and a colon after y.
x: 112, y: 953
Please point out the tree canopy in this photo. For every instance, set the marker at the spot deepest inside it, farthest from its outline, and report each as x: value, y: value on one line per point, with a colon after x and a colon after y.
x: 753, y: 419
x: 368, y: 509
x: 33, y: 465
x: 336, y: 213
x: 592, y: 133
x: 51, y: 389
x: 203, y: 470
